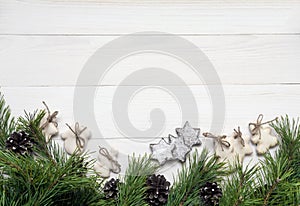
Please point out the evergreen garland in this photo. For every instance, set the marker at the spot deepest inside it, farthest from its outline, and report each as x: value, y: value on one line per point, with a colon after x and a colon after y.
x: 49, y: 177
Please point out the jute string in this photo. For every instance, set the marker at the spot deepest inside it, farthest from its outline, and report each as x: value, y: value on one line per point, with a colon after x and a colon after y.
x: 219, y: 139
x: 257, y: 126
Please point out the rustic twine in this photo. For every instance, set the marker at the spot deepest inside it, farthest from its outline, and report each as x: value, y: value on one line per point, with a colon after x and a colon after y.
x: 258, y: 124
x: 50, y: 118
x: 238, y: 134
x: 77, y: 134
x: 219, y: 139
x: 103, y: 151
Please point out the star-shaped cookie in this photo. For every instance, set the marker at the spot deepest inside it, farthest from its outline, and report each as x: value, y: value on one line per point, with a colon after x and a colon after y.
x: 191, y: 136
x: 162, y: 151
x: 180, y: 149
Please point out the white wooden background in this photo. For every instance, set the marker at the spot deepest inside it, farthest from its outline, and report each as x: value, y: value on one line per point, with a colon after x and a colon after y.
x: 253, y: 45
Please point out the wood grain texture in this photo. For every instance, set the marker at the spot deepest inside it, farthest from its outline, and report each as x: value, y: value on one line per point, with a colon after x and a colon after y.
x: 58, y: 61
x: 243, y: 104
x: 32, y: 17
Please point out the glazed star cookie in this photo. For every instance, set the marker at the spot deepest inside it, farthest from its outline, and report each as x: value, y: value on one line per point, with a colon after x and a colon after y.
x: 262, y: 135
x: 190, y: 135
x: 162, y: 151
x: 180, y: 150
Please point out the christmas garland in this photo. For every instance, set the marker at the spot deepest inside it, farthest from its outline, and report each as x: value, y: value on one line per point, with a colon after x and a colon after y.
x: 37, y: 172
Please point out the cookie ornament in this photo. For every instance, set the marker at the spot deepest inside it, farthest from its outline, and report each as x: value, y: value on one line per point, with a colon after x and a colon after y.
x: 176, y: 148
x: 107, y: 162
x: 223, y: 147
x: 262, y: 135
x: 75, y: 139
x: 162, y: 151
x: 241, y: 146
x: 190, y: 135
x: 180, y: 150
x: 49, y: 124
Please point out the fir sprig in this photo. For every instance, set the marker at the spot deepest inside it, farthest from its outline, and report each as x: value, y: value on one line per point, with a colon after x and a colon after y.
x: 196, y: 173
x: 48, y: 177
x: 7, y: 122
x: 279, y: 179
x: 240, y: 186
x: 133, y: 190
x: 289, y: 132
x: 275, y: 179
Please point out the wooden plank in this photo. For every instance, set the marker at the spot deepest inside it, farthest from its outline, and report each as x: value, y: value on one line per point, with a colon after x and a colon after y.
x: 58, y: 61
x: 62, y: 17
x: 243, y: 103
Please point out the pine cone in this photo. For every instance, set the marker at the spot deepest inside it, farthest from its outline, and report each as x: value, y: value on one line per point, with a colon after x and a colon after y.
x: 158, y: 190
x: 210, y: 194
x: 20, y: 142
x: 111, y: 188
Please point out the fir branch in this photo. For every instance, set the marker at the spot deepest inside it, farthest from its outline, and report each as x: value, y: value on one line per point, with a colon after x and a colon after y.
x: 278, y: 179
x: 30, y: 123
x: 45, y: 183
x: 238, y: 187
x: 132, y: 190
x: 199, y: 170
x: 289, y: 132
x: 274, y: 185
x: 7, y: 122
x: 48, y: 177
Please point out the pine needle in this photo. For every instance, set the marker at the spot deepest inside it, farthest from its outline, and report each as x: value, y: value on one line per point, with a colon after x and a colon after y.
x: 192, y: 177
x: 132, y: 190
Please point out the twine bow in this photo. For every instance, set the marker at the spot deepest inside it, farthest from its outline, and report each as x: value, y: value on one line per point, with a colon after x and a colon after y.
x: 117, y: 167
x: 238, y: 134
x: 219, y: 139
x: 258, y: 124
x: 77, y: 132
x: 50, y: 117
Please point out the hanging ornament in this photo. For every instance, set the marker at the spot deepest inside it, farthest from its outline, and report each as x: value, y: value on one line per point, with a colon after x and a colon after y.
x: 211, y: 194
x: 190, y: 135
x: 240, y: 145
x: 20, y: 143
x: 262, y: 135
x: 107, y: 162
x: 158, y: 189
x: 223, y: 147
x: 110, y: 188
x: 49, y: 124
x: 75, y: 139
x: 162, y: 151
x: 176, y: 148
